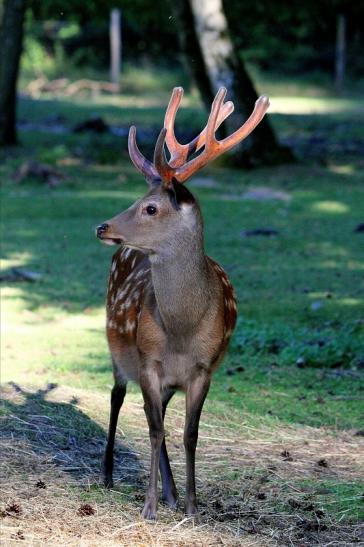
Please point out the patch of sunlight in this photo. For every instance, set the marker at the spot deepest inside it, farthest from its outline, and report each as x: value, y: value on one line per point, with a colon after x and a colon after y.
x: 12, y: 303
x: 354, y: 265
x: 341, y: 169
x: 49, y: 350
x: 350, y: 265
x: 16, y: 260
x: 329, y: 264
x: 316, y: 294
x: 334, y: 207
x: 81, y: 321
x: 312, y: 105
x: 348, y: 301
x: 12, y: 330
x: 20, y: 398
x: 21, y: 318
x: 329, y: 250
x: 133, y: 101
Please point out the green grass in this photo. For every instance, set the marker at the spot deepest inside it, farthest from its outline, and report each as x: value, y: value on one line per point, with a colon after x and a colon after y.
x: 300, y: 293
x: 296, y: 357
x: 346, y: 499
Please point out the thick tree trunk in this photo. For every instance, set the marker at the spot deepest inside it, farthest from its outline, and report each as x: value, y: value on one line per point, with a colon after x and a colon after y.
x: 11, y: 39
x: 213, y: 62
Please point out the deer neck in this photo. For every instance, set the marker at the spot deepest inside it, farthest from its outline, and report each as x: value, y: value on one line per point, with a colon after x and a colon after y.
x: 180, y: 283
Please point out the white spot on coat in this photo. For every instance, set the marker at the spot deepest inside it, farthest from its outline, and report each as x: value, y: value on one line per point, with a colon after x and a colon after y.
x: 130, y: 325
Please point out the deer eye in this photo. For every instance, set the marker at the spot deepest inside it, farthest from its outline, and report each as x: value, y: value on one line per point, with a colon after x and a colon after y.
x: 151, y: 210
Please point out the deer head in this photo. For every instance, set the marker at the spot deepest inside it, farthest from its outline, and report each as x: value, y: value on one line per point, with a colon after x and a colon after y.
x: 169, y: 212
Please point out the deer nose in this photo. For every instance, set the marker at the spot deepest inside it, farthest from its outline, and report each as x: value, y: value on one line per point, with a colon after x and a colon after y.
x: 101, y: 229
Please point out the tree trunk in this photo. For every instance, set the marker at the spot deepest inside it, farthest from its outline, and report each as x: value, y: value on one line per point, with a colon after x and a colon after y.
x: 340, y: 53
x: 11, y: 38
x: 115, y: 48
x: 213, y: 62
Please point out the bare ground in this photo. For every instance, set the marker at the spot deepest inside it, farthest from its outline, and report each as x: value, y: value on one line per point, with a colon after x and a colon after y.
x: 257, y: 485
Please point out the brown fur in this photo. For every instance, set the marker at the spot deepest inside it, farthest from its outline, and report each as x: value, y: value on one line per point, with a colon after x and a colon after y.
x: 170, y: 309
x: 131, y: 311
x: 170, y: 314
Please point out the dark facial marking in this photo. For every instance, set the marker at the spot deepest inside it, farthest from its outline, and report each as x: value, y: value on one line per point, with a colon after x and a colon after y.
x: 178, y: 194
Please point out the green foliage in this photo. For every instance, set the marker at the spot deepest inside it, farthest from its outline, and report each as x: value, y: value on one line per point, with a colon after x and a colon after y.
x: 83, y: 29
x: 296, y: 37
x: 329, y: 346
x: 35, y: 59
x: 69, y: 31
x: 282, y: 38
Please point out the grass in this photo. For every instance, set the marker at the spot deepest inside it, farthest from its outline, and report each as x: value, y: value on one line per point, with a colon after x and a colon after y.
x: 292, y: 379
x: 282, y: 493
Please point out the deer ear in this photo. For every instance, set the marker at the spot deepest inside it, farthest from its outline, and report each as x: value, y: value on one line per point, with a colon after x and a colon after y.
x: 171, y: 191
x: 183, y: 195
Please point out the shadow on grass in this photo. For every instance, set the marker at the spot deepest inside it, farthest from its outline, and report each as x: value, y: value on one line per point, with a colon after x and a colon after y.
x: 62, y: 435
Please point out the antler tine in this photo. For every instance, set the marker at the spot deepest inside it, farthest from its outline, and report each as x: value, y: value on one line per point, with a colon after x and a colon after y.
x: 180, y: 152
x: 218, y: 147
x: 211, y: 123
x: 141, y: 163
x: 260, y: 108
x: 199, y: 141
x: 173, y: 145
x: 166, y: 172
x: 177, y: 168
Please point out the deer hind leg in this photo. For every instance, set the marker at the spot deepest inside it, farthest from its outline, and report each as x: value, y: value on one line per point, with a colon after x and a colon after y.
x: 169, y: 490
x: 151, y: 390
x: 117, y: 399
x: 195, y: 397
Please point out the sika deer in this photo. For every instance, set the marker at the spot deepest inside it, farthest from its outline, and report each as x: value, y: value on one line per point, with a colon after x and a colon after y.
x: 170, y: 308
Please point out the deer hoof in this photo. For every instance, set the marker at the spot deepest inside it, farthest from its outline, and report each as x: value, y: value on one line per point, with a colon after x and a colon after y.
x: 108, y: 482
x: 149, y: 510
x: 192, y: 510
x: 170, y: 502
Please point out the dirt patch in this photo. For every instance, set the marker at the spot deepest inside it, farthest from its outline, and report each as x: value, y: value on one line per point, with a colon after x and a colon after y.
x: 256, y: 485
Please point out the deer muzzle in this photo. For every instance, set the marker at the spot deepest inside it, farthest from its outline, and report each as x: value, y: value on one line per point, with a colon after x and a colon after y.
x: 104, y: 233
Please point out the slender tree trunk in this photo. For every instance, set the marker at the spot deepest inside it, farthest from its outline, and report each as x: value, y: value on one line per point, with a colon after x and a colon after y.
x: 213, y: 62
x: 115, y: 47
x: 11, y: 39
x: 340, y: 53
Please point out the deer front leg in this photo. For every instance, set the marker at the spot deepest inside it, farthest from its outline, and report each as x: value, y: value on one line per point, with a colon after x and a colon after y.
x: 195, y: 397
x: 117, y: 399
x: 169, y: 490
x: 150, y: 385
